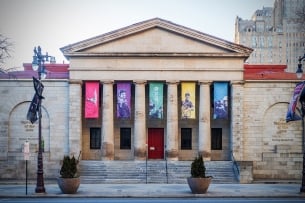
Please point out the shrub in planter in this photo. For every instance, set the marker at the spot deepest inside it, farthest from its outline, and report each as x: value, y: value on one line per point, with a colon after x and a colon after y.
x: 69, y: 167
x: 69, y: 179
x: 198, y: 182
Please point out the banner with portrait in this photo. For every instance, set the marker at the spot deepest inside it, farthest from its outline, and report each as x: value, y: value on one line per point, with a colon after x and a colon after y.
x: 156, y: 100
x: 294, y: 112
x: 221, y: 100
x: 123, y: 100
x: 92, y: 99
x: 188, y: 95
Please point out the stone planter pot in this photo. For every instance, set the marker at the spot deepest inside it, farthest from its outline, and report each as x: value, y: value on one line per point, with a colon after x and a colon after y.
x: 68, y: 185
x: 199, y: 185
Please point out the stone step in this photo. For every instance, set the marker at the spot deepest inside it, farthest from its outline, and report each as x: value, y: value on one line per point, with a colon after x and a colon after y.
x: 151, y: 171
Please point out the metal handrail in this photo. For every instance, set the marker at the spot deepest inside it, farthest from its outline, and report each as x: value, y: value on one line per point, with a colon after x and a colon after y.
x: 235, y: 163
x: 166, y: 167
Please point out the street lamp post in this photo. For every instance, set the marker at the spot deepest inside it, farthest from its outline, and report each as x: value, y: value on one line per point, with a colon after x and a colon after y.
x: 38, y: 65
x: 299, y: 74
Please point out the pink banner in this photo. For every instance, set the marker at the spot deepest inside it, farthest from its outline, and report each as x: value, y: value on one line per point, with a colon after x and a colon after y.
x: 92, y: 99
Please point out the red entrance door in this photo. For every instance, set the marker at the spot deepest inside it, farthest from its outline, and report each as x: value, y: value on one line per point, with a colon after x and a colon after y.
x: 155, y: 143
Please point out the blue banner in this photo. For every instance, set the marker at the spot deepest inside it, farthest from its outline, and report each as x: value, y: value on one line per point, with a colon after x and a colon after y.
x: 221, y: 100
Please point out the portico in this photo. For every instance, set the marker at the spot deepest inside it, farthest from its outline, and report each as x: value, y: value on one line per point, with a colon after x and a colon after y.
x: 155, y: 51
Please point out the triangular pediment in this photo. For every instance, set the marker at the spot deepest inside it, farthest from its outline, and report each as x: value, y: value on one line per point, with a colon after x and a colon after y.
x: 155, y: 37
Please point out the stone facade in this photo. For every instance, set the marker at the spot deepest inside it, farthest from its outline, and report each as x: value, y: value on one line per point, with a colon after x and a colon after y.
x: 274, y: 146
x: 156, y: 50
x: 16, y: 96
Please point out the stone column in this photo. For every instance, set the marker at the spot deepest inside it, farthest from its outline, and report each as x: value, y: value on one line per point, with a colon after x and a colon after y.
x: 140, y: 121
x: 237, y: 107
x: 204, y: 138
x: 73, y: 142
x: 172, y: 121
x: 107, y: 121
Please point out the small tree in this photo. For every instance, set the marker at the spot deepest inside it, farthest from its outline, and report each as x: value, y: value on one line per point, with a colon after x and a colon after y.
x: 198, y: 168
x: 69, y: 167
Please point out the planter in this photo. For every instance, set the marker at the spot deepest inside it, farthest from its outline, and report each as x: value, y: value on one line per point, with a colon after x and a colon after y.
x: 199, y: 185
x: 68, y: 185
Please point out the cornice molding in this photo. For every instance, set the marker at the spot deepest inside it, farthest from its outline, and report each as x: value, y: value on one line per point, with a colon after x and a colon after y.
x: 70, y: 50
x: 158, y: 54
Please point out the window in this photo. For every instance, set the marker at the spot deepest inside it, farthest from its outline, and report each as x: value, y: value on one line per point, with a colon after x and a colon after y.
x: 186, y: 138
x: 216, y: 139
x: 95, y: 138
x: 125, y: 138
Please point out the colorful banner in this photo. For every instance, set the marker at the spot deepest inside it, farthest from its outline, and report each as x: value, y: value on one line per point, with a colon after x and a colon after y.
x: 92, y: 99
x: 156, y: 100
x: 220, y: 100
x: 188, y: 93
x: 123, y: 100
x: 294, y: 112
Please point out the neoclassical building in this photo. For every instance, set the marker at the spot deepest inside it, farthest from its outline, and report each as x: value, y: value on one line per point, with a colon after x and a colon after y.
x: 171, y: 57
x: 159, y: 91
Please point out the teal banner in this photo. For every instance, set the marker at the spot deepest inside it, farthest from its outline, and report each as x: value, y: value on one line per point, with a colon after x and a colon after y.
x: 156, y: 100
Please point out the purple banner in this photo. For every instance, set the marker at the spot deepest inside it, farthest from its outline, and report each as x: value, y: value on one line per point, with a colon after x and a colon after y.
x: 123, y: 100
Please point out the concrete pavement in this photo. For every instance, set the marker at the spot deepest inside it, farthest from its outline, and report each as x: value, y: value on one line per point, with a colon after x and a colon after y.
x: 157, y: 190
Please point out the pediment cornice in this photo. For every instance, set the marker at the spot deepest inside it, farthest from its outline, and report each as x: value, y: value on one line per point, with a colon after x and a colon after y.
x: 76, y: 48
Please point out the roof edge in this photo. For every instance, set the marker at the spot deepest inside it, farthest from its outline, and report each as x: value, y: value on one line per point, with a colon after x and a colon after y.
x: 147, y: 24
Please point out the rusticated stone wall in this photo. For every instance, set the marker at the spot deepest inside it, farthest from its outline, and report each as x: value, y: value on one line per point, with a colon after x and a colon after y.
x: 274, y: 146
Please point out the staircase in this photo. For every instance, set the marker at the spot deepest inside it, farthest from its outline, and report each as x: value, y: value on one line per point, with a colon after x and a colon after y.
x: 132, y: 172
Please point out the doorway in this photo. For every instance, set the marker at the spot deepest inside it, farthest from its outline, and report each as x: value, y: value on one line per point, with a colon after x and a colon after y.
x: 155, y: 143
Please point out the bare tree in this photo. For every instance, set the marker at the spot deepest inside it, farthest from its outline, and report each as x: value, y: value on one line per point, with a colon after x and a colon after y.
x: 6, y: 48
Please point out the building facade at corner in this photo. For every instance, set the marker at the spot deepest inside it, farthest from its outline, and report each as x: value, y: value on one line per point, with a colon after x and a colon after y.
x: 159, y: 91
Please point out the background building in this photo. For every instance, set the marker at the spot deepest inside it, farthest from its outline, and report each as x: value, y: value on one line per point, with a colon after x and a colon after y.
x: 276, y: 34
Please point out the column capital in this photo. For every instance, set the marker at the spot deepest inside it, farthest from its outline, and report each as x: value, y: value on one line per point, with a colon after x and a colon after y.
x: 76, y: 82
x: 205, y: 82
x: 107, y: 81
x: 172, y: 82
x: 140, y: 82
x: 237, y: 82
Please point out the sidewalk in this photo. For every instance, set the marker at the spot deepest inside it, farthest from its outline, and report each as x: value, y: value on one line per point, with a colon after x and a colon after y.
x: 158, y: 190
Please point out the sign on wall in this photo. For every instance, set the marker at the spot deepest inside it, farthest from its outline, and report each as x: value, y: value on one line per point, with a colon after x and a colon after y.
x: 188, y: 95
x: 156, y: 100
x: 123, y: 100
x: 92, y: 99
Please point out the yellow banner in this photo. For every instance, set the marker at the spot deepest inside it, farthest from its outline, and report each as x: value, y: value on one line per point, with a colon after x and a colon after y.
x: 188, y: 95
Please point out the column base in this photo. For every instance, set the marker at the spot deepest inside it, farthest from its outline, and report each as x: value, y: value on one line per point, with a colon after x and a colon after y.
x: 140, y: 154
x: 172, y: 155
x: 107, y: 151
x: 206, y: 155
